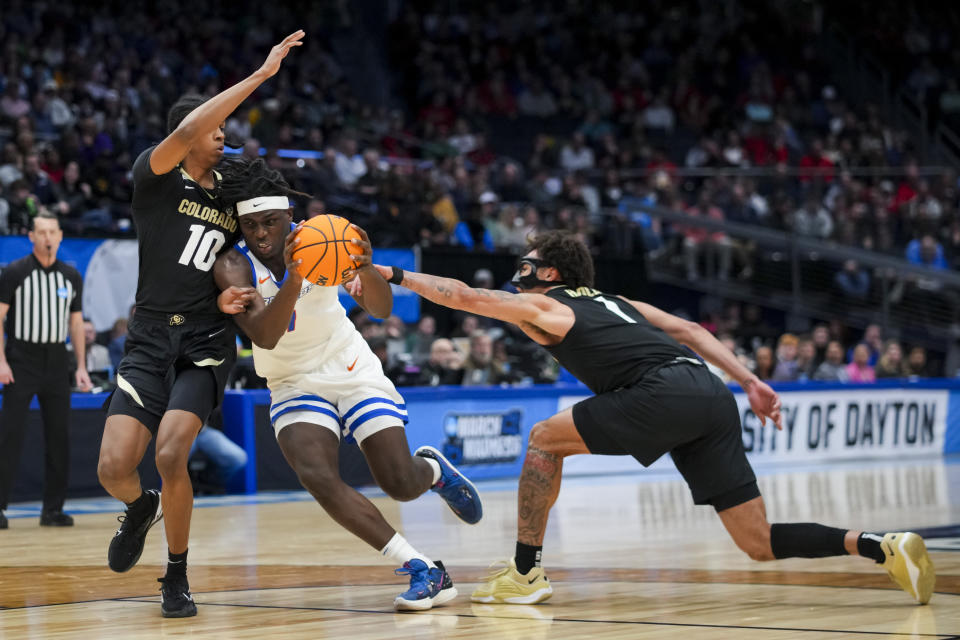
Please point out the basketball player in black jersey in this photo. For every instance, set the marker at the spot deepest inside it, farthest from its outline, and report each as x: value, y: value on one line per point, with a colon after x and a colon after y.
x: 180, y: 348
x: 650, y: 398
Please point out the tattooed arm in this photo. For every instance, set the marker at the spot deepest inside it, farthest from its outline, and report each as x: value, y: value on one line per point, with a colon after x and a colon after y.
x: 527, y: 310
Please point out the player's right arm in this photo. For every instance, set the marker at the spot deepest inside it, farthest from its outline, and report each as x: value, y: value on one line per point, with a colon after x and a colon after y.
x: 208, y: 116
x: 263, y: 323
x: 763, y: 399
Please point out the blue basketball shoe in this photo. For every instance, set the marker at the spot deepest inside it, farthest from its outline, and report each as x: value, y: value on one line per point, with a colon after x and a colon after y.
x: 428, y: 586
x: 458, y: 492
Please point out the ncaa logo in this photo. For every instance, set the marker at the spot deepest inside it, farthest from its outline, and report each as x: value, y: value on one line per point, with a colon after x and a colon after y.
x: 176, y: 320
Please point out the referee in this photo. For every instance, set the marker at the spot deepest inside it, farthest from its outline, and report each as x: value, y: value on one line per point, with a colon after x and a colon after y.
x: 39, y: 304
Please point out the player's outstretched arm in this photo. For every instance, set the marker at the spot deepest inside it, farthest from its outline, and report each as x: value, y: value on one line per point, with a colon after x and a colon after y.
x: 211, y: 113
x: 370, y: 290
x: 517, y: 308
x: 263, y: 323
x: 763, y: 399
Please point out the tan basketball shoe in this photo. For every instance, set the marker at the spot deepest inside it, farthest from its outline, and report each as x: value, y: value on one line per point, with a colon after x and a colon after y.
x: 909, y: 565
x: 509, y: 586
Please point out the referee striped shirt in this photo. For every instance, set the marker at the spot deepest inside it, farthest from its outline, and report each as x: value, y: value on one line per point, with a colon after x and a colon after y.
x: 41, y: 300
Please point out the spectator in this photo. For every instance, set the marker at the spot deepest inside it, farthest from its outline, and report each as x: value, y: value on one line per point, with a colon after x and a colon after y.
x: 806, y: 359
x: 714, y: 246
x: 420, y: 342
x: 786, y: 369
x: 98, y: 356
x: 479, y: 368
x: 118, y: 340
x: 812, y: 220
x: 853, y: 281
x: 917, y: 365
x: 859, y: 370
x: 821, y: 338
x: 832, y: 368
x: 445, y: 365
x: 891, y: 364
x: 576, y: 155
x: 537, y: 101
x: 764, y: 364
x: 223, y: 457
x: 315, y: 207
x: 927, y: 252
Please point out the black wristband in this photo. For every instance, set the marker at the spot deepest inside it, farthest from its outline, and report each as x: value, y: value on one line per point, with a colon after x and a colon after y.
x: 397, y: 276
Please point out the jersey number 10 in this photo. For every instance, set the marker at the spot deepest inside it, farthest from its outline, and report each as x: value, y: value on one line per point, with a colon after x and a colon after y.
x: 202, y: 247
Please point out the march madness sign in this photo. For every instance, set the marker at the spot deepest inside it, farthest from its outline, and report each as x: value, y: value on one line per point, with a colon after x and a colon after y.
x: 483, y: 437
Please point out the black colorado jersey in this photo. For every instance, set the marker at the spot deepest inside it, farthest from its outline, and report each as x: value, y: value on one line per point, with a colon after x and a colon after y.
x: 181, y: 229
x: 610, y: 344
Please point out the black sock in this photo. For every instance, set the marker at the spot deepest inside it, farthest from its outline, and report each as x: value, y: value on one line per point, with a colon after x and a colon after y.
x: 527, y: 557
x: 868, y: 545
x: 806, y: 540
x: 176, y: 563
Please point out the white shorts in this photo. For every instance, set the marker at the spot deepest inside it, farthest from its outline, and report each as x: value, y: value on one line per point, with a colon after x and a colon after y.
x: 348, y: 394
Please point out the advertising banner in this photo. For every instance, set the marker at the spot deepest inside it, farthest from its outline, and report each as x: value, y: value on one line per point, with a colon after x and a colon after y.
x: 821, y: 425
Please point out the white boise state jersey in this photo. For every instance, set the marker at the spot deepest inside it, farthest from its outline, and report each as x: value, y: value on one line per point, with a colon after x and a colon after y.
x: 319, y: 327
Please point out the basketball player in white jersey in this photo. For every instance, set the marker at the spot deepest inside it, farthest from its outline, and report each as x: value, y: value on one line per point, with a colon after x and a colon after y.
x: 325, y: 382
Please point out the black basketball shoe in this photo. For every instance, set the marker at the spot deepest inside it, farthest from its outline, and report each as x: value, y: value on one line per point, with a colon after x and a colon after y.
x: 127, y: 544
x: 3, y: 520
x: 55, y: 519
x: 175, y: 598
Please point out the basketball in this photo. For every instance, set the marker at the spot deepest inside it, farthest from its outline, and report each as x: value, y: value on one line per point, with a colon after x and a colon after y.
x: 325, y: 250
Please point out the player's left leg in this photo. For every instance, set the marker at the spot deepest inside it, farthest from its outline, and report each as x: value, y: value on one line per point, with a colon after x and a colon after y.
x: 903, y: 555
x: 523, y: 580
x: 192, y: 398
x: 312, y: 450
x: 405, y: 477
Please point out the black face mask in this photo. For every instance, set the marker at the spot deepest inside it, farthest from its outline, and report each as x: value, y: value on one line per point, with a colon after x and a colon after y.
x: 526, y: 275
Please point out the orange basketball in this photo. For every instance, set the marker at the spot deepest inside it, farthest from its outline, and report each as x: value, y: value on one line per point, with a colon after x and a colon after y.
x: 324, y: 250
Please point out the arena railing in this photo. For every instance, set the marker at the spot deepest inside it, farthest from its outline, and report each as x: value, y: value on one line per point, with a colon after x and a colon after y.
x: 797, y: 275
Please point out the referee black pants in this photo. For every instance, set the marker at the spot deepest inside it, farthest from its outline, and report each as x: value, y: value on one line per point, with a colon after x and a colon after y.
x: 42, y: 371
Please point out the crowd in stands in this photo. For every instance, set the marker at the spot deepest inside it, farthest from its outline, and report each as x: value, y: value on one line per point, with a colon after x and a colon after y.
x: 622, y: 101
x: 917, y: 46
x: 506, y: 121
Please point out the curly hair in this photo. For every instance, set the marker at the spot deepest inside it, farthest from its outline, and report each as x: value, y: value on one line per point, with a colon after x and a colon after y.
x: 244, y: 179
x: 181, y: 109
x: 567, y: 254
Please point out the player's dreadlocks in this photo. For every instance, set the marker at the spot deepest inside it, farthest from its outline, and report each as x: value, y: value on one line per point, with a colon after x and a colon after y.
x: 567, y: 254
x: 244, y: 179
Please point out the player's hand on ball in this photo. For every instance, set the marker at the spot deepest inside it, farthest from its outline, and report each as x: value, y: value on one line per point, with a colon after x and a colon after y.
x: 289, y: 245
x: 765, y: 403
x: 279, y: 52
x: 364, y: 259
x: 235, y: 299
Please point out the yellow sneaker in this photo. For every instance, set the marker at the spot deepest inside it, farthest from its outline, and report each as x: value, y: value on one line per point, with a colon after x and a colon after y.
x: 508, y: 586
x: 909, y: 565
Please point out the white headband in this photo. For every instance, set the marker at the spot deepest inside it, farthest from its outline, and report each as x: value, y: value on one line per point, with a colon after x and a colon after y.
x: 262, y: 203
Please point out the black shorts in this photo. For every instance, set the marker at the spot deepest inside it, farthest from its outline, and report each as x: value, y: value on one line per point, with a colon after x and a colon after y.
x: 682, y: 409
x: 162, y: 349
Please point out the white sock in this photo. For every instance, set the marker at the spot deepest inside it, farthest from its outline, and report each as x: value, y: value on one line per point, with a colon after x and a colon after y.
x: 435, y: 467
x: 400, y: 551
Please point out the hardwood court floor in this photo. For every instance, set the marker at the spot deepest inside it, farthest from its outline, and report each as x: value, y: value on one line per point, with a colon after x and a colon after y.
x: 629, y: 555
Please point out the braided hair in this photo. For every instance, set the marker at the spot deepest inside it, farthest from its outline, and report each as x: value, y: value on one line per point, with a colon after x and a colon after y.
x: 244, y: 179
x: 567, y: 254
